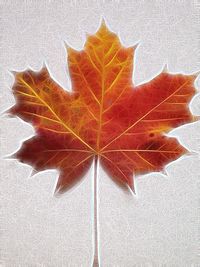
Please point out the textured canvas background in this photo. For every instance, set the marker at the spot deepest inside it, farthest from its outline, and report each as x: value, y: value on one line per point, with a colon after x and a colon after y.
x: 159, y: 227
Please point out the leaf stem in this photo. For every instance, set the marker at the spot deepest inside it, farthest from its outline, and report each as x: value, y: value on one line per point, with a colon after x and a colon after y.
x: 95, y: 214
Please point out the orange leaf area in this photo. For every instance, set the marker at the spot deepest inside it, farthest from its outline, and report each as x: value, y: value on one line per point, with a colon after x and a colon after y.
x: 104, y: 116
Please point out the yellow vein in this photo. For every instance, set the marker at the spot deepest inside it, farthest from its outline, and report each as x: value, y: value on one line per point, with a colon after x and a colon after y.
x: 92, y: 62
x: 167, y: 119
x: 183, y: 103
x: 69, y: 129
x: 33, y: 103
x: 25, y: 94
x: 101, y: 104
x: 95, y: 54
x: 116, y: 78
x: 91, y: 113
x: 62, y: 160
x: 79, y: 164
x: 143, y: 116
x: 128, y: 157
x: 145, y: 160
x: 184, y: 95
x: 41, y: 116
x: 140, y: 150
x: 88, y: 86
x: 115, y: 166
x: 55, y: 131
x: 67, y: 150
x: 115, y: 100
x: 112, y: 59
x: 110, y: 49
x: 50, y: 159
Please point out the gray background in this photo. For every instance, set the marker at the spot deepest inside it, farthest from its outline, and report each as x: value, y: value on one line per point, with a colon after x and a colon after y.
x: 158, y: 227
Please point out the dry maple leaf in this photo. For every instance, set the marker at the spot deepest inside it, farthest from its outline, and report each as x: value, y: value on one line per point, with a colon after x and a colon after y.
x: 105, y: 117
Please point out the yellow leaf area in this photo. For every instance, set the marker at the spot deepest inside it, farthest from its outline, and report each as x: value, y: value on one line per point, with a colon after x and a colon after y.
x: 105, y: 116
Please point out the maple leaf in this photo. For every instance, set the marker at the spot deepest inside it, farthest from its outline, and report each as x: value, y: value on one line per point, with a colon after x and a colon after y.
x: 104, y: 119
x: 105, y: 116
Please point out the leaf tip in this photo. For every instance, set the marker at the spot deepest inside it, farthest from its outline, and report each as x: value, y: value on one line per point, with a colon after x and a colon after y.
x: 191, y: 153
x: 10, y: 156
x: 131, y: 187
x: 12, y: 72
x: 196, y: 74
x: 164, y: 172
x: 66, y: 45
x: 103, y: 25
x: 133, y: 191
x: 195, y: 118
x: 165, y: 68
x: 33, y: 173
x: 7, y: 113
x: 68, y: 48
x: 136, y: 45
x: 44, y: 65
x: 103, y: 21
x: 58, y: 190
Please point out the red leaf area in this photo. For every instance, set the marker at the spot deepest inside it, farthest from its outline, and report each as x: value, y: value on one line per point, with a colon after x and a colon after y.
x: 105, y: 116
